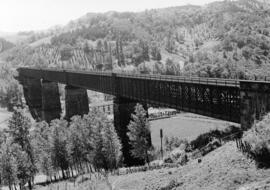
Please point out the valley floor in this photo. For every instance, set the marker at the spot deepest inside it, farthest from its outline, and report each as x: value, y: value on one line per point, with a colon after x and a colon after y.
x: 185, y: 126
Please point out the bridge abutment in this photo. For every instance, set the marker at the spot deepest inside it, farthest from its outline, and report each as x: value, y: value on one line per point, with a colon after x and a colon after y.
x: 76, y: 101
x: 32, y: 95
x: 255, y: 102
x: 51, y: 106
x: 123, y: 108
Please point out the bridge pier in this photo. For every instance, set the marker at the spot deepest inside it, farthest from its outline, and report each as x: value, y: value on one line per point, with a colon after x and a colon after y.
x: 123, y: 108
x: 255, y: 101
x: 51, y: 106
x: 76, y: 101
x: 32, y: 95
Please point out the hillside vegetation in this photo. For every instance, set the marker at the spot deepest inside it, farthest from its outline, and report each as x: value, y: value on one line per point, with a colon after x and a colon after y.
x: 228, y: 39
x: 224, y: 168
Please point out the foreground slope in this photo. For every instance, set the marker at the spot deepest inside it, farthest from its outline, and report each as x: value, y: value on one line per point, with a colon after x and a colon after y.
x: 224, y: 168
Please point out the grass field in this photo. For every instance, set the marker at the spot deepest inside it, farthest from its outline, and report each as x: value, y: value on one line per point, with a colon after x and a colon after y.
x: 184, y: 125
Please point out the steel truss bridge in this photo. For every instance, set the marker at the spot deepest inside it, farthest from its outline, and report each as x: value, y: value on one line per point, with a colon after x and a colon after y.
x: 231, y: 100
x: 217, y: 98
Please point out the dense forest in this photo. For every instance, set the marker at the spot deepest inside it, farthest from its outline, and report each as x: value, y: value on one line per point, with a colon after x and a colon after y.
x: 227, y: 39
x: 223, y: 39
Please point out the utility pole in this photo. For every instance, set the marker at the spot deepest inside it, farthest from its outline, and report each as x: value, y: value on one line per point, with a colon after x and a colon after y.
x: 161, y: 147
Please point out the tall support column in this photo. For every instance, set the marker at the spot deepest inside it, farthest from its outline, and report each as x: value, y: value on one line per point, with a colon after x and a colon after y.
x: 76, y: 101
x: 255, y: 102
x: 32, y: 95
x: 51, y: 106
x: 123, y: 108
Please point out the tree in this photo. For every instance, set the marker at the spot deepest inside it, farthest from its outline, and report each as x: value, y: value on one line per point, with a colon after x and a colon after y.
x: 14, y: 95
x: 101, y: 141
x: 258, y: 139
x: 86, y: 48
x: 25, y: 170
x: 111, y: 146
x: 10, y: 91
x: 155, y: 52
x: 8, y: 168
x: 98, y: 124
x: 145, y: 50
x: 158, y: 56
x: 99, y: 45
x: 139, y: 132
x: 119, y: 52
x: 58, y: 143
x: 170, y: 44
x: 80, y: 142
x: 66, y: 52
x: 170, y: 67
x: 41, y: 145
x: 18, y: 128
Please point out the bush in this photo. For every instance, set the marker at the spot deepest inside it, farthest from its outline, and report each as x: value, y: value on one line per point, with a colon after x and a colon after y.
x: 183, y: 159
x: 174, y: 142
x: 201, y: 141
x: 177, y: 156
x: 172, y: 185
x: 258, y: 138
x: 227, y: 134
x: 210, y: 147
x: 168, y: 160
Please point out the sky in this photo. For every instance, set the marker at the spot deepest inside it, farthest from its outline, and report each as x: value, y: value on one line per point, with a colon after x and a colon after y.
x: 25, y: 15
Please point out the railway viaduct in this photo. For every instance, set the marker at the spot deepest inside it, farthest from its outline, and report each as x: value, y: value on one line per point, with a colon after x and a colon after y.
x: 239, y: 101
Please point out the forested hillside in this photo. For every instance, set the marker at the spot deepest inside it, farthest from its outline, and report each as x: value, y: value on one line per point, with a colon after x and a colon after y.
x: 228, y: 39
x: 222, y: 39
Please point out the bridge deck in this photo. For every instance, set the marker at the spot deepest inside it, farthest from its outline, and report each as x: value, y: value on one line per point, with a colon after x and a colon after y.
x: 41, y: 73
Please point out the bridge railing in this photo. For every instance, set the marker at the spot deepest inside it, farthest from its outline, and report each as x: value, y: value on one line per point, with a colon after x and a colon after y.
x: 185, y: 79
x: 197, y: 80
x: 65, y: 74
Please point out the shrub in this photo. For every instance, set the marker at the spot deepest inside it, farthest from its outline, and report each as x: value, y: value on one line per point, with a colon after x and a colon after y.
x: 183, y: 159
x: 211, y: 146
x: 176, y: 156
x: 258, y: 138
x: 201, y: 141
x: 168, y: 160
x: 227, y: 134
x: 174, y: 142
x: 172, y: 185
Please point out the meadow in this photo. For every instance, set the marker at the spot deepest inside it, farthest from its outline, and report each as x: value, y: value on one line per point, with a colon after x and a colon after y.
x: 185, y: 126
